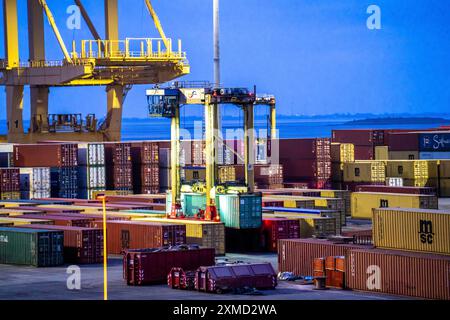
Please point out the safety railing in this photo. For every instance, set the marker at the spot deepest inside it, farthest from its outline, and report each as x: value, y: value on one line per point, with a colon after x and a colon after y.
x: 130, y: 48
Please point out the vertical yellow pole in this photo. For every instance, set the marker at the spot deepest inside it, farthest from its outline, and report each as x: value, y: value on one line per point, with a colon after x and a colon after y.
x: 105, y: 253
x: 273, y: 121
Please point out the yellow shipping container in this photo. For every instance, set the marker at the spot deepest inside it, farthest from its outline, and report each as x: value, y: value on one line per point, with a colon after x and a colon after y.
x: 403, y: 155
x: 445, y: 168
x: 226, y: 174
x: 95, y: 194
x: 445, y: 188
x: 342, y: 152
x: 317, y: 227
x: 19, y: 221
x: 7, y: 204
x: 365, y: 171
x: 421, y: 182
x: 204, y: 233
x: 364, y: 202
x: 382, y: 153
x: 412, y: 229
x: 412, y: 169
x: 197, y: 174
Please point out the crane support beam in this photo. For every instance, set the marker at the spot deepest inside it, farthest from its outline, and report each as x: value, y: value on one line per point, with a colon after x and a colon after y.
x: 38, y: 94
x: 249, y: 140
x: 11, y: 33
x: 210, y: 142
x: 175, y: 159
x: 52, y: 22
x: 88, y: 20
x: 45, y: 76
x: 114, y: 93
x: 14, y: 110
x: 114, y: 116
x: 112, y: 24
x: 158, y: 25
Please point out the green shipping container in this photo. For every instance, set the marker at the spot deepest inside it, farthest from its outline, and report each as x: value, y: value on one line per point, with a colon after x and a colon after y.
x: 190, y: 202
x: 39, y: 248
x: 240, y: 211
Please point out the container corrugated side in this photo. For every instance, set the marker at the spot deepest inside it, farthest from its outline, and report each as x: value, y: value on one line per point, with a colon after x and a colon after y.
x: 421, y: 230
x: 297, y: 255
x: 240, y: 211
x: 203, y: 233
x: 399, y: 273
x: 364, y: 202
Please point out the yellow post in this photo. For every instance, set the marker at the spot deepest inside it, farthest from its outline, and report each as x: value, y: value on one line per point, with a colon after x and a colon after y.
x: 105, y: 253
x: 273, y: 121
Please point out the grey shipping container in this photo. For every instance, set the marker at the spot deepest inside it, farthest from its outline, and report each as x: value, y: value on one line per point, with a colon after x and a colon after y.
x: 34, y: 183
x: 91, y: 154
x: 39, y: 248
x: 90, y: 177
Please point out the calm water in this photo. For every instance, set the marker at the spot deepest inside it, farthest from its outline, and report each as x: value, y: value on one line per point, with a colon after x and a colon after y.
x: 159, y: 129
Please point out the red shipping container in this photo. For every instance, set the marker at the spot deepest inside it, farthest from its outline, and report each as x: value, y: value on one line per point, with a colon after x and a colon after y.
x: 364, y: 153
x: 297, y: 149
x: 406, y: 141
x: 274, y: 229
x: 81, y: 245
x: 9, y: 180
x: 117, y: 154
x: 145, y: 152
x: 360, y: 137
x: 46, y: 155
x: 122, y: 235
x: 151, y: 266
x: 220, y: 279
x: 119, y: 177
x: 145, y: 175
x: 297, y: 255
x: 388, y: 189
x: 399, y: 273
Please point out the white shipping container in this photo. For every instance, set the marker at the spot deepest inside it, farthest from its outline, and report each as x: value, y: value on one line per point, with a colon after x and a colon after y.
x: 92, y: 154
x: 394, y: 182
x: 7, y: 147
x: 434, y: 155
x: 35, y: 183
x: 91, y: 177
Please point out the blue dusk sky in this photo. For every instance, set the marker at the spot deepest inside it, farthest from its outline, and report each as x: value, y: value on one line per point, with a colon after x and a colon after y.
x: 316, y: 56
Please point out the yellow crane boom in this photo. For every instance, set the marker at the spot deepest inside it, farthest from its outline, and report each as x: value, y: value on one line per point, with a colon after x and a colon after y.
x: 158, y: 24
x: 51, y: 20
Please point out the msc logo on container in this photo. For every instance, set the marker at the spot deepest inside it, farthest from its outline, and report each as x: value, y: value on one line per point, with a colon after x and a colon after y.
x: 426, y: 231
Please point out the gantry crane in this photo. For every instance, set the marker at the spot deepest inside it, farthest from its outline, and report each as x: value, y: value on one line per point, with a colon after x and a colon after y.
x: 166, y: 102
x: 116, y: 64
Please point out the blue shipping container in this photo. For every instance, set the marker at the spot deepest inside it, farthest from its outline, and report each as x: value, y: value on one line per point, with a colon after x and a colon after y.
x: 434, y: 142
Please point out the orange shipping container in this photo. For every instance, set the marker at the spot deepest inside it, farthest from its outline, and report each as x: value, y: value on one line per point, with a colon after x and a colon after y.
x: 400, y: 273
x: 122, y: 235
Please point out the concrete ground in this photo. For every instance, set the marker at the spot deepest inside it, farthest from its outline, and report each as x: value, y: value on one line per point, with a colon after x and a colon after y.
x: 29, y: 283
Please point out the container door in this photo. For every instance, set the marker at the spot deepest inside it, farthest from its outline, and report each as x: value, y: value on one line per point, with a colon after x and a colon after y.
x: 125, y: 239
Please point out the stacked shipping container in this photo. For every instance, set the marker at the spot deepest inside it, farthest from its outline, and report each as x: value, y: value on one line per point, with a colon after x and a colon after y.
x: 307, y: 161
x: 145, y: 158
x: 35, y: 183
x: 61, y: 158
x: 9, y: 183
x: 119, y: 168
x: 91, y: 169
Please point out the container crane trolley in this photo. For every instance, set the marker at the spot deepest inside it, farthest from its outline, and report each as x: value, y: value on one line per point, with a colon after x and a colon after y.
x: 166, y: 103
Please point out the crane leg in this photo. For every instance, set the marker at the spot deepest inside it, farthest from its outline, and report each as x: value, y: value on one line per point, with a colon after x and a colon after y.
x: 114, y: 104
x: 249, y: 138
x: 175, y: 164
x: 210, y: 141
